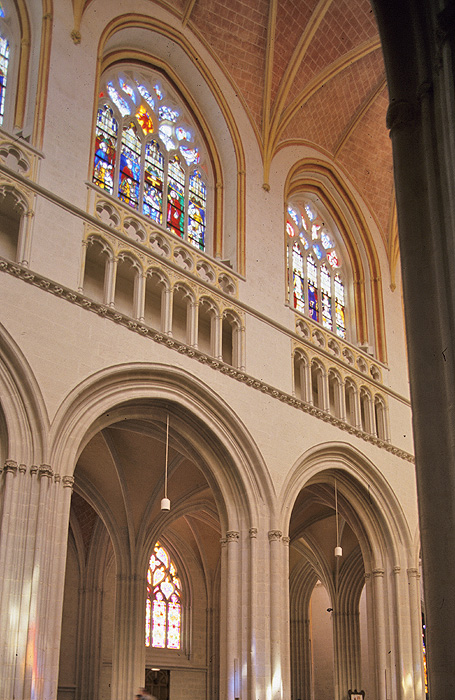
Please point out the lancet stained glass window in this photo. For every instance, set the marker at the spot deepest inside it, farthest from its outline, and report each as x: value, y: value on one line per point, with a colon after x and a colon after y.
x: 315, y: 281
x: 148, y: 154
x: 4, y: 60
x: 163, y: 612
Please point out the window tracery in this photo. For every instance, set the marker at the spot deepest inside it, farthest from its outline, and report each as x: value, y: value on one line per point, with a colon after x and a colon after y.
x: 149, y: 155
x: 163, y: 610
x: 315, y: 279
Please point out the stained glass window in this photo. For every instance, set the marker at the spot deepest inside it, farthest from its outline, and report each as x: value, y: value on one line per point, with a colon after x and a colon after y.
x: 149, y: 155
x: 326, y: 297
x: 130, y: 166
x: 105, y: 149
x: 176, y: 197
x: 163, y: 612
x: 196, y: 210
x: 153, y: 182
x: 4, y: 60
x: 315, y: 282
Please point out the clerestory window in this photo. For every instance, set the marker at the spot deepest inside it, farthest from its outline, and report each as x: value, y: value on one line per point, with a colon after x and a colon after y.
x: 149, y: 153
x: 163, y: 609
x: 4, y: 61
x: 315, y: 279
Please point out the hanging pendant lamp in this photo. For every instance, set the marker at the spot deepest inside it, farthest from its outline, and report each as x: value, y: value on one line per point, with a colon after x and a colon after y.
x: 338, y: 549
x: 165, y: 502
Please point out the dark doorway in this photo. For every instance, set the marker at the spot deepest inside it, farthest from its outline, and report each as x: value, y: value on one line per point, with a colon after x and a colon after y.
x: 157, y: 682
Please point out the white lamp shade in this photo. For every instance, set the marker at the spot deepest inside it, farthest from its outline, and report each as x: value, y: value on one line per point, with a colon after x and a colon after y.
x: 338, y: 552
x: 165, y: 504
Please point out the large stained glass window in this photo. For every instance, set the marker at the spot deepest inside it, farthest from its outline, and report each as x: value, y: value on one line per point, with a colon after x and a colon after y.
x: 316, y: 285
x: 4, y: 60
x: 163, y: 612
x: 149, y: 155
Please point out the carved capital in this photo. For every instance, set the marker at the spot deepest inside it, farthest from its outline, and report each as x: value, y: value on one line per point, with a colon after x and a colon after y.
x: 10, y: 466
x: 396, y: 569
x: 378, y: 573
x: 22, y: 468
x: 45, y: 470
x: 275, y: 535
x: 232, y: 536
x: 33, y: 469
x: 223, y: 542
x: 253, y: 532
x: 413, y: 573
x: 286, y: 541
x: 68, y: 481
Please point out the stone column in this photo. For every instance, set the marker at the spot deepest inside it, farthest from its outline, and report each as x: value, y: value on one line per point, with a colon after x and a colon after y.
x: 128, y: 657
x: 217, y: 336
x: 285, y: 627
x: 418, y: 45
x: 379, y: 634
x: 252, y: 627
x: 233, y: 666
x: 223, y: 687
x: 24, y: 240
x: 33, y: 541
x: 139, y: 296
x: 416, y: 632
x: 276, y: 567
x: 166, y: 311
x: 110, y: 275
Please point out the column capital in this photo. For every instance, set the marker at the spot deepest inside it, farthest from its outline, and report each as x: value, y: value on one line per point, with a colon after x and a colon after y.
x: 275, y: 535
x: 396, y: 569
x: 378, y: 573
x: 413, y: 573
x: 45, y: 470
x: 286, y: 541
x: 232, y: 536
x: 253, y: 532
x: 10, y: 466
x: 68, y: 481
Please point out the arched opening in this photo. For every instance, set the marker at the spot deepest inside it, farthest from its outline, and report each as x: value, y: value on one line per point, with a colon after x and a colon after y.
x: 12, y: 209
x: 119, y: 480
x: 181, y: 314
x: 155, y: 289
x: 126, y: 286
x: 206, y: 318
x: 96, y: 258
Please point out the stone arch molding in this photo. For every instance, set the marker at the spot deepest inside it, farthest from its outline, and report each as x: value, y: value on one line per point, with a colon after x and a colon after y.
x: 23, y: 406
x: 383, y: 531
x: 214, y: 434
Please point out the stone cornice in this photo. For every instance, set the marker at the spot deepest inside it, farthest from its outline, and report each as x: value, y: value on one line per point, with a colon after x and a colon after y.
x: 115, y: 316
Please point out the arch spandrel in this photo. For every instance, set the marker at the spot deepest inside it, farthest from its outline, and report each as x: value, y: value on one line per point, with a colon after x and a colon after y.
x: 24, y: 409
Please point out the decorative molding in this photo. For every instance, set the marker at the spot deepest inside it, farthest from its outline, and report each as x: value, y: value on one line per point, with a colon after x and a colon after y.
x: 275, y: 535
x: 23, y: 273
x: 396, y: 570
x: 232, y: 536
x: 286, y: 541
x: 378, y: 573
x: 253, y: 532
x: 223, y: 542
